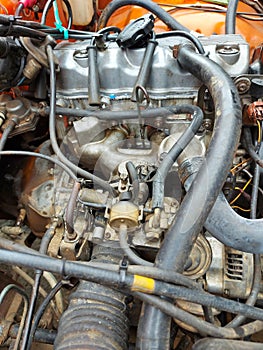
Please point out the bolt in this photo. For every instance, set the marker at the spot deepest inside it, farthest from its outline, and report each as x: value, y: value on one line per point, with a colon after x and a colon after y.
x: 107, y: 235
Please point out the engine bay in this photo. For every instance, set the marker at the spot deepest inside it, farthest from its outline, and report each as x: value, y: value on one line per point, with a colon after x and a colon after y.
x: 131, y: 181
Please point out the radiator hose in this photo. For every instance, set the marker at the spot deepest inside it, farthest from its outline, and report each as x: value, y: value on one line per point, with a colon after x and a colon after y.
x: 154, y: 326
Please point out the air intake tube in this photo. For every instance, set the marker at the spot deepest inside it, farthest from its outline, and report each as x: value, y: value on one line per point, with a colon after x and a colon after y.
x: 154, y: 326
x: 96, y: 318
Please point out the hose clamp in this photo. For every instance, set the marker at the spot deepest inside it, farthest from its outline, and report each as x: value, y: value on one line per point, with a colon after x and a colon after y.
x: 123, y: 267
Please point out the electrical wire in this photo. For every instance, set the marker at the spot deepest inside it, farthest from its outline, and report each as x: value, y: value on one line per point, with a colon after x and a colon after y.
x: 48, y: 6
x: 257, y: 259
x: 41, y: 310
x: 43, y: 156
x: 241, y: 191
x: 235, y: 169
x: 259, y: 131
x: 239, y: 208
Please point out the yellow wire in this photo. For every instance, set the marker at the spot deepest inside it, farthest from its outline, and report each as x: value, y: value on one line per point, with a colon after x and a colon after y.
x: 241, y: 190
x: 238, y: 165
x: 237, y: 207
x: 259, y: 131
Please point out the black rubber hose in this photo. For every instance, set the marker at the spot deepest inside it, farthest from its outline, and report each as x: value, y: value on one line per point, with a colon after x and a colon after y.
x: 52, y: 130
x: 202, y: 326
x: 148, y: 5
x: 41, y: 310
x: 231, y: 13
x: 128, y: 282
x: 93, y: 78
x: 186, y: 35
x: 145, y: 71
x: 134, y: 178
x: 10, y: 127
x: 151, y: 272
x: 174, y: 152
x: 251, y: 300
x: 201, y: 196
x: 41, y: 335
x: 160, y: 112
x: 70, y: 210
x: 234, y: 230
x: 132, y: 257
x: 248, y: 144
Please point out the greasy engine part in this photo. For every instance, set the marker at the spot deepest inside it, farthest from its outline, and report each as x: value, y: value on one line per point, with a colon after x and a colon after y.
x: 141, y: 178
x: 96, y: 315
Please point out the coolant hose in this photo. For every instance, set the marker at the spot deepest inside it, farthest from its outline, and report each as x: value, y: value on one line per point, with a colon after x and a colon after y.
x: 154, y: 329
x: 146, y: 4
x: 234, y: 230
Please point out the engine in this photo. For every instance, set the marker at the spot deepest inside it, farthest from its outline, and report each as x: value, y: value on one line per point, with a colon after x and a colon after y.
x: 131, y: 186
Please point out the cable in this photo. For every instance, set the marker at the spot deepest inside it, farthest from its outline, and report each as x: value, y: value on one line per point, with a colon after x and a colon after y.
x: 246, y: 140
x: 148, y: 5
x: 128, y: 251
x: 186, y: 35
x: 30, y: 281
x: 41, y: 310
x: 131, y: 282
x: 10, y: 127
x: 235, y: 169
x: 43, y: 156
x: 70, y: 211
x: 202, y: 326
x: 52, y: 130
x: 239, y: 208
x: 231, y: 13
x: 26, y: 342
x: 48, y: 6
x: 134, y: 178
x: 241, y: 191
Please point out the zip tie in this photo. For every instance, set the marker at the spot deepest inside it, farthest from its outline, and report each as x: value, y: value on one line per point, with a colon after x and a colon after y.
x: 58, y: 22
